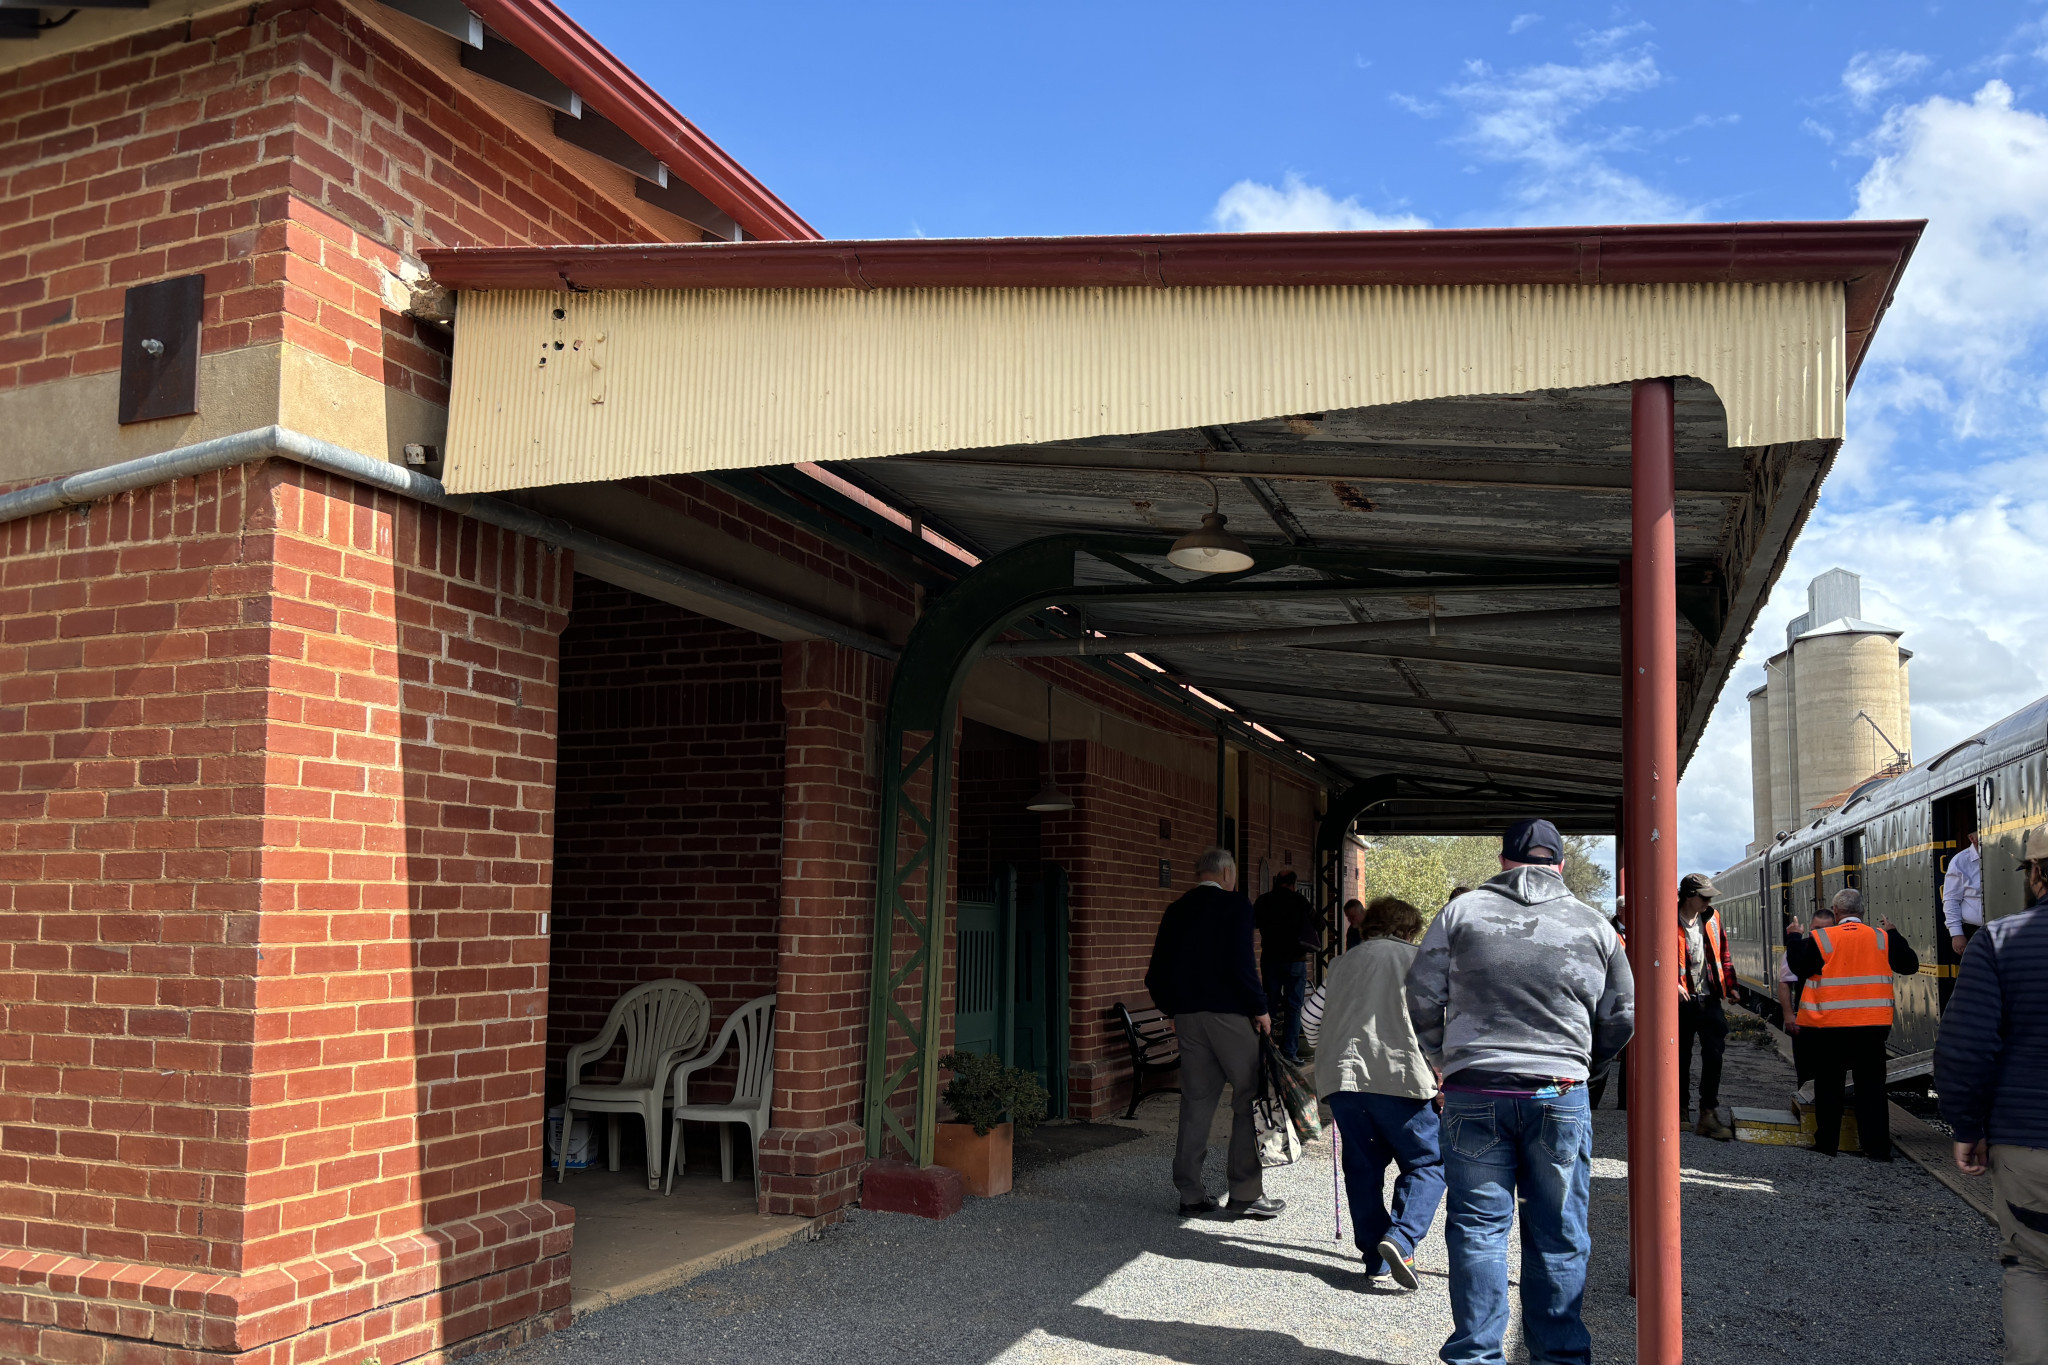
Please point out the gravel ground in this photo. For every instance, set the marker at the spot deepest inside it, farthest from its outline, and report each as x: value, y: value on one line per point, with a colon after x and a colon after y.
x: 1086, y: 1260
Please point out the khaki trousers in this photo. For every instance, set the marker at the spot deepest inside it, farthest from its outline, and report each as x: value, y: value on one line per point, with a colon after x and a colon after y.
x: 2019, y: 1189
x: 1215, y: 1048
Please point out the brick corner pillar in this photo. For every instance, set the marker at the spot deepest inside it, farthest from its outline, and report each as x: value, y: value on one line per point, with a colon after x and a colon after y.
x: 833, y: 699
x: 1650, y: 790
x: 276, y: 803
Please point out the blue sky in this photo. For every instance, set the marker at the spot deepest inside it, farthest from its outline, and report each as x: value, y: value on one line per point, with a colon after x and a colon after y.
x: 950, y: 120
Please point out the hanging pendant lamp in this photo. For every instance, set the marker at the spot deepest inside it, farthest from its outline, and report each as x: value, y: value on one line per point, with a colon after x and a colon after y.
x: 1050, y: 797
x: 1210, y: 548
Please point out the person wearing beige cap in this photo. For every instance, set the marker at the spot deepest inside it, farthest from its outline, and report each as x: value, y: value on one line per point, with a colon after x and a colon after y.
x: 1706, y: 976
x: 1991, y: 1071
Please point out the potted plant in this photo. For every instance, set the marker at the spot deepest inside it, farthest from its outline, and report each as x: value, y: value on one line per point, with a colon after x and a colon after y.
x: 991, y: 1103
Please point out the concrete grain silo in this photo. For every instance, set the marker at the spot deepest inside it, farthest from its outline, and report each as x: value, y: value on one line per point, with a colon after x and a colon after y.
x: 1760, y: 765
x: 1834, y: 709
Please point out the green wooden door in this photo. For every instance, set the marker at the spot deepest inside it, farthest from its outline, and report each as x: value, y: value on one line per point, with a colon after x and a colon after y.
x: 1029, y: 1041
x: 1010, y: 981
x: 979, y: 978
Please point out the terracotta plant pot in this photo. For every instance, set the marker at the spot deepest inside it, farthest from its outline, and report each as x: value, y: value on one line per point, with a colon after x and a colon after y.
x: 983, y: 1161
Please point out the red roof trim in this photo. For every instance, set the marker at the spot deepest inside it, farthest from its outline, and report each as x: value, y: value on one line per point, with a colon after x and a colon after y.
x: 1866, y: 256
x: 606, y: 84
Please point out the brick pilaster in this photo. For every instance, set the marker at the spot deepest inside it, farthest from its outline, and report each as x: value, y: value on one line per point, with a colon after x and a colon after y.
x: 832, y: 706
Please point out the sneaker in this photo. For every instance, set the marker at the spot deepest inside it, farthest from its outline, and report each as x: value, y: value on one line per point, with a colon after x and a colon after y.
x: 1400, y: 1266
x: 1207, y: 1205
x: 1265, y: 1206
x: 1710, y: 1126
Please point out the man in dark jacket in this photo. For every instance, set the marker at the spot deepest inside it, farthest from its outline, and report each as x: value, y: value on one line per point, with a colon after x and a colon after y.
x: 1991, y: 1071
x: 1288, y: 932
x: 1205, y: 974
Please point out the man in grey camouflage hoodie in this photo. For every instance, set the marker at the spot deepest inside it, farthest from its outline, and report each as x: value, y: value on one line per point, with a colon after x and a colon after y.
x: 1521, y: 991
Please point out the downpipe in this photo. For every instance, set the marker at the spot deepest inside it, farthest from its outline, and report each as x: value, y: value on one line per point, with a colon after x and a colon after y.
x: 245, y: 447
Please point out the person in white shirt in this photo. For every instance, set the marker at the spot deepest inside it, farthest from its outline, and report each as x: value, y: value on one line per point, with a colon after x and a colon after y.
x: 1962, y: 895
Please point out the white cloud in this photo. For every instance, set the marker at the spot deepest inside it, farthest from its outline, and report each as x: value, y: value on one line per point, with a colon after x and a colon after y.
x: 1975, y: 298
x: 1870, y: 74
x: 1529, y: 118
x: 1297, y: 206
x: 1419, y: 108
x: 1958, y: 375
x: 1522, y: 21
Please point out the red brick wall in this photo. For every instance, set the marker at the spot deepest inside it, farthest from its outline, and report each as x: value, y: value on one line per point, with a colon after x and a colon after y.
x: 1110, y: 845
x: 286, y: 150
x: 668, y: 847
x: 999, y: 774
x: 832, y: 703
x: 278, y: 760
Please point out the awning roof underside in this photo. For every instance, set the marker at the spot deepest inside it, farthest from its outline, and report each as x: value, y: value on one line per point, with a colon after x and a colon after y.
x: 1514, y: 696
x: 1439, y: 419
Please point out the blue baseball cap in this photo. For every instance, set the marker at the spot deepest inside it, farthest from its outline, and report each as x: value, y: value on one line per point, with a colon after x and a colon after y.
x: 1532, y: 841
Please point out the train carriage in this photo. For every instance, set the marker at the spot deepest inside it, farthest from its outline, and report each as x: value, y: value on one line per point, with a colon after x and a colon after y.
x: 1892, y: 839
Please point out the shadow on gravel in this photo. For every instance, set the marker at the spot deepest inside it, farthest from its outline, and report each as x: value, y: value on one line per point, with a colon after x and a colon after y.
x: 1051, y: 1143
x: 1191, y: 1344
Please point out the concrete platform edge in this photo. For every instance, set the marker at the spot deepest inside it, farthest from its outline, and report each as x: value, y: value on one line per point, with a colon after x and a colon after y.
x: 668, y: 1277
x: 1931, y: 1151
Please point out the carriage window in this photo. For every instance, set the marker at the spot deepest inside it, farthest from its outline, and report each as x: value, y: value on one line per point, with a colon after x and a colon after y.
x: 1820, y: 894
x: 1852, y: 859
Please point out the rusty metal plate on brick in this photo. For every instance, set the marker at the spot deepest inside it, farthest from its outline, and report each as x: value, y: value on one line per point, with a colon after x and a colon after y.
x: 160, y: 349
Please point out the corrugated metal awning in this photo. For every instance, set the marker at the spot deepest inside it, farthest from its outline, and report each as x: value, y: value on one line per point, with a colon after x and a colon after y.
x: 1461, y: 396
x: 552, y: 388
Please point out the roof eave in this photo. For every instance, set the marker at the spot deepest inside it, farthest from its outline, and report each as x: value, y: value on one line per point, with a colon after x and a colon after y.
x: 1866, y: 257
x: 572, y: 56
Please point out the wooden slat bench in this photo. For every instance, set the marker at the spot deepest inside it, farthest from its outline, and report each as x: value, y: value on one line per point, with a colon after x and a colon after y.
x: 1154, y: 1048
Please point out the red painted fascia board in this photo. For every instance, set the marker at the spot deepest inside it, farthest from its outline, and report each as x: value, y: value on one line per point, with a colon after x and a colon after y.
x: 541, y: 31
x: 1867, y: 257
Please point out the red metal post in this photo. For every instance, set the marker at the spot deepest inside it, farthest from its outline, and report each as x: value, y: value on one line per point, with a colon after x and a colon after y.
x: 1625, y: 855
x: 1650, y: 787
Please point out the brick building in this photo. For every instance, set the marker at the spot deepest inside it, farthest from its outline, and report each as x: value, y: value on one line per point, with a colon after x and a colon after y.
x: 422, y: 619
x: 331, y: 818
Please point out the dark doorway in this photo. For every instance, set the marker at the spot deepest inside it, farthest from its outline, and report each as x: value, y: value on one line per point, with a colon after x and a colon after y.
x: 1955, y: 820
x: 1010, y: 937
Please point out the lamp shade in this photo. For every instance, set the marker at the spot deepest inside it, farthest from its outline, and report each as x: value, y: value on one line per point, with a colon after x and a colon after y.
x: 1050, y: 797
x: 1210, y: 548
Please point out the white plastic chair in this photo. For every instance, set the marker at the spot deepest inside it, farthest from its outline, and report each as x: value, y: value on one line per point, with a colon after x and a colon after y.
x: 664, y: 1023
x: 752, y: 1029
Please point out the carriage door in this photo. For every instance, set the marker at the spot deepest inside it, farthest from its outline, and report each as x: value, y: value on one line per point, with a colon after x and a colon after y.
x: 1955, y: 816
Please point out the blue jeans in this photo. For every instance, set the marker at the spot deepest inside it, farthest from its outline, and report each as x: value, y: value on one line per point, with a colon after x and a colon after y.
x: 1286, y: 984
x: 1542, y: 1149
x: 1375, y: 1130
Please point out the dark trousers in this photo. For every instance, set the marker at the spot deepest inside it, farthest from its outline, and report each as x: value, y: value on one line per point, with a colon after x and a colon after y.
x: 1703, y: 1019
x: 1945, y: 955
x: 1378, y: 1130
x: 1837, y: 1054
x: 1215, y: 1050
x: 1286, y: 985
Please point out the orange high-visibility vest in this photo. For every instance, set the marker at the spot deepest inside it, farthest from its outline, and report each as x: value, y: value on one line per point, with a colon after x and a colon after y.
x: 1855, y: 985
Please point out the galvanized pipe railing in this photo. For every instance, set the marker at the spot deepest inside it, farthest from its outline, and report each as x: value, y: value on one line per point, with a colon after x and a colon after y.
x: 245, y: 447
